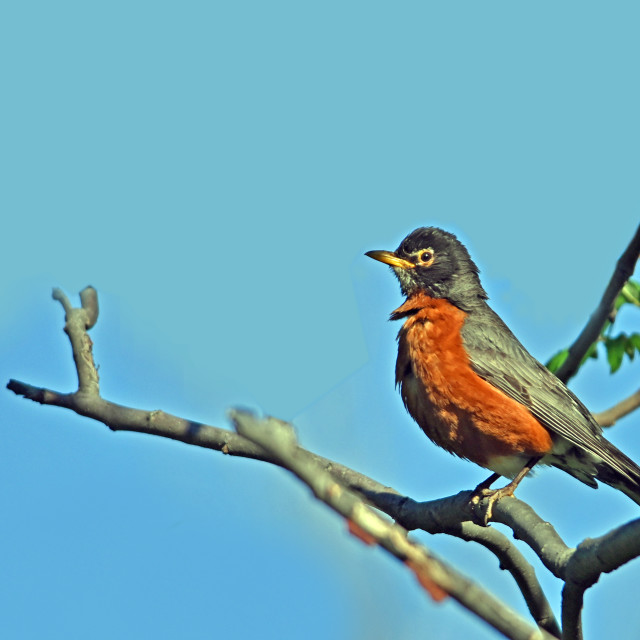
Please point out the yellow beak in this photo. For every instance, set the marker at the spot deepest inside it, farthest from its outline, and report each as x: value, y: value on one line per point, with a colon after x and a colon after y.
x: 388, y: 257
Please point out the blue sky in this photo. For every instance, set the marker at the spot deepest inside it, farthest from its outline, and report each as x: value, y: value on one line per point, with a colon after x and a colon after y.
x: 216, y: 171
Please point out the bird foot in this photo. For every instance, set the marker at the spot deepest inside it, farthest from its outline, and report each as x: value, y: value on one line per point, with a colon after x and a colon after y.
x: 493, y: 495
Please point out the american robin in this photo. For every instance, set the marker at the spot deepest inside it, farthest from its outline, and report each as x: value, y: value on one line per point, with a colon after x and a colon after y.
x: 474, y: 389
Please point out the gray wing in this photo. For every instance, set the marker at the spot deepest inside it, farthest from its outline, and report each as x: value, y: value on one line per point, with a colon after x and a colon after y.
x: 497, y: 356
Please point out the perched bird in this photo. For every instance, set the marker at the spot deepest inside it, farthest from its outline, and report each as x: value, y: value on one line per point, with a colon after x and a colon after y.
x: 474, y: 389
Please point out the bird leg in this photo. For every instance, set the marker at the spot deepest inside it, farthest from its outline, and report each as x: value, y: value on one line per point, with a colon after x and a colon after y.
x: 483, y: 490
x: 485, y: 484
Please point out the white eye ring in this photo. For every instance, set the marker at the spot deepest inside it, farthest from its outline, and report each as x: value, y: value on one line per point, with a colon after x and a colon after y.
x: 426, y: 257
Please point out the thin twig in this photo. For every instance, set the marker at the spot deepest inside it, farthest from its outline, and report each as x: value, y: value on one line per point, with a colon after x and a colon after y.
x: 78, y: 320
x: 623, y: 271
x: 609, y: 417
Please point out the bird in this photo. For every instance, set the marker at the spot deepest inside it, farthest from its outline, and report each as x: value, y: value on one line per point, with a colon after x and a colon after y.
x: 475, y: 390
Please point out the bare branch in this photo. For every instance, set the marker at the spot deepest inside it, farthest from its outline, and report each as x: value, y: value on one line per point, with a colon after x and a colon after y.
x: 78, y: 320
x: 610, y: 416
x: 453, y: 515
x: 61, y: 297
x: 89, y: 302
x: 539, y: 534
x: 623, y: 271
x: 572, y: 603
x: 513, y: 561
x: 438, y: 578
x: 449, y: 515
x: 590, y: 560
x: 446, y: 515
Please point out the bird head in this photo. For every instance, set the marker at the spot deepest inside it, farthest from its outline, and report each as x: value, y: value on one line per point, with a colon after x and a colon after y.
x: 435, y: 262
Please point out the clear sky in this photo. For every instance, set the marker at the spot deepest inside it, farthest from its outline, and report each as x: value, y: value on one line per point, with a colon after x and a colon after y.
x: 217, y: 170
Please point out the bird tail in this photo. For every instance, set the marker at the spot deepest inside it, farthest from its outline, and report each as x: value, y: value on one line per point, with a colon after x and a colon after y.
x: 620, y: 472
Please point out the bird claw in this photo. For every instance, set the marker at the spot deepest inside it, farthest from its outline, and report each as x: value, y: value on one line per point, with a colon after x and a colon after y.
x: 492, y: 495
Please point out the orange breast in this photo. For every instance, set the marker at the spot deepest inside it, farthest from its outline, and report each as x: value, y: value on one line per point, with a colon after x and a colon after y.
x: 454, y: 406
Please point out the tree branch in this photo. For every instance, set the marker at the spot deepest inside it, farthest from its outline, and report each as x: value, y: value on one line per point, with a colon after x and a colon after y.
x: 435, y: 576
x: 449, y: 515
x: 588, y: 562
x: 453, y: 515
x: 572, y: 603
x: 78, y: 320
x: 609, y: 417
x: 446, y: 515
x: 513, y: 561
x: 623, y: 271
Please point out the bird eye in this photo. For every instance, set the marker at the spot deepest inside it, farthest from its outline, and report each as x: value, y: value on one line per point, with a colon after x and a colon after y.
x: 425, y: 258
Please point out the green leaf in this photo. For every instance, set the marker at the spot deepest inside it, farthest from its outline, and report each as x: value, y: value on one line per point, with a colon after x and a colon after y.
x: 630, y: 293
x: 620, y: 300
x: 616, y: 348
x: 557, y: 360
x: 592, y: 352
x: 634, y: 339
x: 629, y: 348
